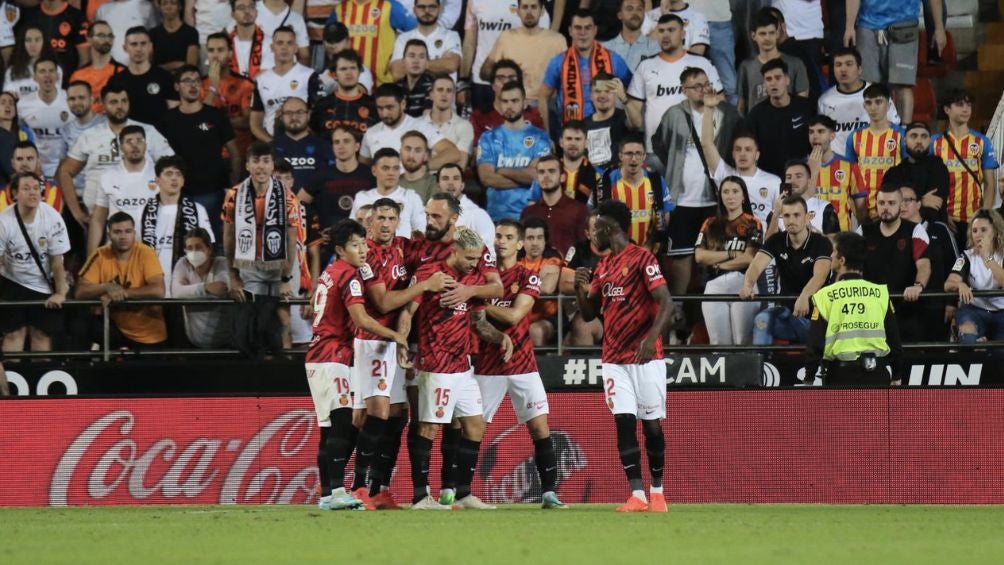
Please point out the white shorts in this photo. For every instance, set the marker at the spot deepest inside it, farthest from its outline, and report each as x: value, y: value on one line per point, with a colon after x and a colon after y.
x: 330, y: 388
x: 526, y: 392
x: 376, y: 370
x: 444, y: 396
x: 636, y: 389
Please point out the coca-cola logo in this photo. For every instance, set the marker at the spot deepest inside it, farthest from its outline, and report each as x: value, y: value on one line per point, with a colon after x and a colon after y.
x: 107, y: 460
x: 520, y: 482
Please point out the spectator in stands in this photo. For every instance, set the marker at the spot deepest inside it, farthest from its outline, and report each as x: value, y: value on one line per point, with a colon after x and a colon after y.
x: 101, y: 66
x: 837, y: 180
x: 387, y: 170
x: 507, y: 156
x: 443, y: 116
x: 632, y: 44
x: 64, y: 28
x: 230, y: 92
x: 375, y: 32
x: 168, y: 215
x: 764, y: 187
x: 844, y: 102
x: 897, y: 257
x: 13, y: 13
x: 697, y: 36
x: 260, y: 222
x: 565, y: 217
x: 127, y: 187
x: 417, y: 80
x: 123, y: 16
x: 607, y: 124
x: 275, y: 14
x: 348, y: 104
x: 887, y: 39
x: 24, y: 161
x: 80, y: 101
x: 175, y: 43
x: 443, y: 43
x: 970, y: 158
x: 923, y: 171
x: 802, y: 41
x: 285, y: 79
x: 505, y: 71
x: 30, y: 47
x: 207, y: 17
x: 306, y: 152
x: 569, y: 74
x: 875, y: 148
x: 202, y: 133
x: 450, y: 179
x: 821, y: 216
x: 415, y: 160
x: 96, y: 150
x: 33, y: 238
x: 337, y: 41
x: 394, y: 123
x: 530, y: 46
x: 200, y: 274
x: 583, y: 254
x: 248, y: 40
x: 150, y: 87
x: 943, y: 252
x: 979, y: 268
x: 657, y: 87
x: 46, y: 113
x: 780, y: 123
x: 764, y: 31
x: 580, y: 176
x: 644, y: 192
x: 296, y: 329
x: 541, y: 258
x: 726, y: 246
x: 802, y: 262
x: 119, y: 271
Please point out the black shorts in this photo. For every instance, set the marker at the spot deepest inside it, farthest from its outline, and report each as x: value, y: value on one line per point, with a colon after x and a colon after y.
x: 50, y: 322
x: 684, y: 224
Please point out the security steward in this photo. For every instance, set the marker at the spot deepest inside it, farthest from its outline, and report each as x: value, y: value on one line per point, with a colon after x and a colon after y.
x: 853, y: 332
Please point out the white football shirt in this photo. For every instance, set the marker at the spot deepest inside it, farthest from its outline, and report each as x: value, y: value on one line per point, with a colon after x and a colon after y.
x: 763, y: 187
x: 848, y: 110
x: 47, y: 122
x: 125, y: 191
x: 48, y: 234
x: 381, y: 135
x: 272, y: 89
x: 412, y: 209
x: 167, y: 214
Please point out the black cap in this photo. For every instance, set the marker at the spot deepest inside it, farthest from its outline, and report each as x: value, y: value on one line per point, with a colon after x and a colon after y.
x: 918, y: 124
x: 335, y: 32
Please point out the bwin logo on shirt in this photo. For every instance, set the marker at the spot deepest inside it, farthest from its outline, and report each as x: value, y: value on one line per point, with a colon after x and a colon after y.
x: 512, y: 162
x: 668, y: 90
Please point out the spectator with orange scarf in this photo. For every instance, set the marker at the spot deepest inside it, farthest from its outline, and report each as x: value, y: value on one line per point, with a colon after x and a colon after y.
x: 570, y: 74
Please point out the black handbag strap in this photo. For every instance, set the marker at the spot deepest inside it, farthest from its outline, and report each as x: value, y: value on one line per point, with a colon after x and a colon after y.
x: 31, y: 247
x: 951, y: 145
x: 700, y: 148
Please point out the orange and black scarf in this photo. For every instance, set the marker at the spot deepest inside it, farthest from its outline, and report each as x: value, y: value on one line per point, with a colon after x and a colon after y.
x: 254, y: 61
x: 572, y: 88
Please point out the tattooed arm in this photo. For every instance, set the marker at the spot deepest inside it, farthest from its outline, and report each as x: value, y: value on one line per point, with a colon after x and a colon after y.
x: 491, y: 334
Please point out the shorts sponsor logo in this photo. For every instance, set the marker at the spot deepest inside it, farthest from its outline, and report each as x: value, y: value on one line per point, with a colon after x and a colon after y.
x: 382, y: 385
x: 439, y: 412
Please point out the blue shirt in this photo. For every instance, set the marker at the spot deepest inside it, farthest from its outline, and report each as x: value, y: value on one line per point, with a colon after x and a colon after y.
x: 632, y: 53
x: 306, y: 156
x: 552, y: 78
x: 880, y: 14
x: 505, y: 148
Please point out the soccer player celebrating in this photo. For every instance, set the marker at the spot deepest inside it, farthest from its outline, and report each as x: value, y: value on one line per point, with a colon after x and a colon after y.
x: 446, y: 387
x: 628, y: 289
x: 518, y: 376
x: 338, y: 307
x: 377, y: 371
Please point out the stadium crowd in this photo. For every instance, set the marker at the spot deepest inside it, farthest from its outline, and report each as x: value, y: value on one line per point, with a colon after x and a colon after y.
x: 206, y: 149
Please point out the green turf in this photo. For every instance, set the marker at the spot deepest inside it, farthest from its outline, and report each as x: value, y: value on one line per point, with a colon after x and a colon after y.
x: 514, y: 535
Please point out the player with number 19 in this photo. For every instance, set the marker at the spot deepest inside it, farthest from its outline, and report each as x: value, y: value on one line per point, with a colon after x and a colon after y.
x: 339, y: 306
x: 630, y: 293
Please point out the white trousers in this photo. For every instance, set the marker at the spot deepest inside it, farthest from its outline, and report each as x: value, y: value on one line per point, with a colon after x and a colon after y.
x: 729, y: 323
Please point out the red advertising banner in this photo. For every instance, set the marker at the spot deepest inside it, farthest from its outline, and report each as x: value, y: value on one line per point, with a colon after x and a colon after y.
x: 822, y: 446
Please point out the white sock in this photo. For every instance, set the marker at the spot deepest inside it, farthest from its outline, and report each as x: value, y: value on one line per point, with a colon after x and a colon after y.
x: 640, y: 494
x: 656, y: 490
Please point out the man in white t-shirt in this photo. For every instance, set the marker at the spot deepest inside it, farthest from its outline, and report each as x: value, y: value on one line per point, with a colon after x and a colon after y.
x: 443, y: 117
x: 394, y: 123
x: 273, y: 14
x: 485, y: 22
x: 450, y: 179
x: 46, y: 114
x: 387, y: 170
x: 845, y: 102
x: 697, y: 35
x: 126, y: 188
x: 656, y: 85
x: 287, y: 78
x: 169, y: 215
x: 443, y: 44
x: 32, y: 271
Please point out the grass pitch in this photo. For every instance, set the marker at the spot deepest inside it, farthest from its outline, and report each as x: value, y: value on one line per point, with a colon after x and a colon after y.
x: 513, y: 535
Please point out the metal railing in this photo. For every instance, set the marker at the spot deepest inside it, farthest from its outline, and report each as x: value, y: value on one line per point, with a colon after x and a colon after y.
x: 106, y: 352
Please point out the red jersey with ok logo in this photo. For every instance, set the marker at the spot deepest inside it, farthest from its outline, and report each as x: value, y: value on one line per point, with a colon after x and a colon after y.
x: 384, y: 264
x: 625, y: 282
x: 515, y: 281
x: 339, y: 287
x: 445, y: 337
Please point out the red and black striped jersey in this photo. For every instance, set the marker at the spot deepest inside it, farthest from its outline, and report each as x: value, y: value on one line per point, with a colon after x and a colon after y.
x: 385, y: 265
x: 625, y: 282
x: 515, y: 281
x: 339, y: 287
x: 445, y: 337
x: 419, y: 252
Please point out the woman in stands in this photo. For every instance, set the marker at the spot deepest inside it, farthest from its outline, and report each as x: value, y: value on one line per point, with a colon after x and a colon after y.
x: 199, y: 274
x: 726, y: 245
x: 19, y: 77
x: 980, y: 268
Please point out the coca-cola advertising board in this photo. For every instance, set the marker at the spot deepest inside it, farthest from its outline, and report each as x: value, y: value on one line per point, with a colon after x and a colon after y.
x: 803, y: 445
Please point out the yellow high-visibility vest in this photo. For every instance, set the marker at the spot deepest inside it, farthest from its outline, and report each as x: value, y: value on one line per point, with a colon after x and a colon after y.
x: 855, y: 312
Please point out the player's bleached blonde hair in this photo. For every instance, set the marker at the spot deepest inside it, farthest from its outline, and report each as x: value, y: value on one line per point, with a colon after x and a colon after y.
x: 466, y: 238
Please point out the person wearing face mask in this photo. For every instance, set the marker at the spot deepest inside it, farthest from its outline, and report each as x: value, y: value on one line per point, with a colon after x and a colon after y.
x: 200, y: 274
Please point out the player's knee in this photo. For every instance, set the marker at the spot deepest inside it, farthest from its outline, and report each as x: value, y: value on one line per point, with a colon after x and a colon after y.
x: 652, y: 429
x: 358, y: 418
x: 473, y: 427
x: 538, y: 428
